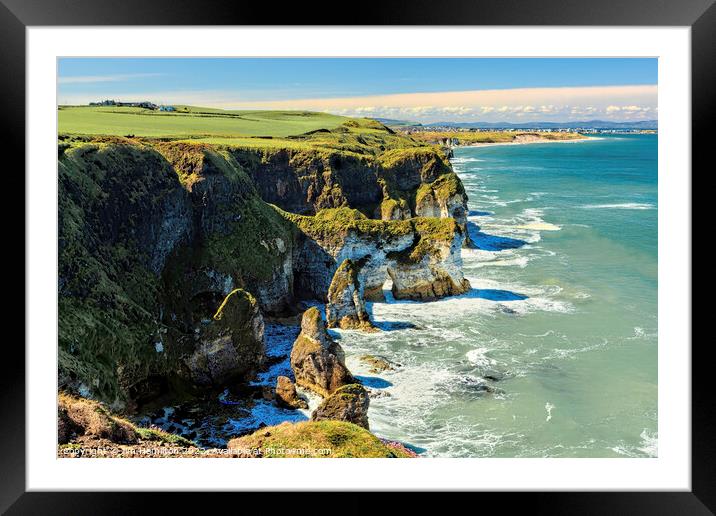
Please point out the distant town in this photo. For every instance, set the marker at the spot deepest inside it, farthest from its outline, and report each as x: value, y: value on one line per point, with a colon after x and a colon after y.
x: 580, y: 130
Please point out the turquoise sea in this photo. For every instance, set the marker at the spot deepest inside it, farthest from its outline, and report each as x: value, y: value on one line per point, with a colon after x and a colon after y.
x: 554, y: 351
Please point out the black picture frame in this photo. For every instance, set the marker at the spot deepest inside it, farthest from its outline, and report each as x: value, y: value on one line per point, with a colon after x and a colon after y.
x: 16, y: 15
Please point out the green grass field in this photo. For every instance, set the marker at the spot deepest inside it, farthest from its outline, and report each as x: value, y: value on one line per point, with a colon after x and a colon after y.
x: 296, y: 130
x: 191, y: 122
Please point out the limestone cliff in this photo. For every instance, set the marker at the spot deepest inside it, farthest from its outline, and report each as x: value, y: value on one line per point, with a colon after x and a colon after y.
x: 421, y: 256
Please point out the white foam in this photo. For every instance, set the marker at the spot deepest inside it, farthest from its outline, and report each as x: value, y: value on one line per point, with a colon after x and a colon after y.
x: 649, y: 443
x: 266, y: 413
x: 621, y: 206
x: 648, y: 447
x: 548, y: 407
x: 465, y: 160
x: 479, y: 358
x: 540, y: 226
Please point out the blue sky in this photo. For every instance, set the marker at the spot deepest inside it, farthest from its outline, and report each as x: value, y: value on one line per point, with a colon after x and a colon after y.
x: 419, y: 89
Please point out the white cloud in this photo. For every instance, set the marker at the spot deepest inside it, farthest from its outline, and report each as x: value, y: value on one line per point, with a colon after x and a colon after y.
x: 536, y: 104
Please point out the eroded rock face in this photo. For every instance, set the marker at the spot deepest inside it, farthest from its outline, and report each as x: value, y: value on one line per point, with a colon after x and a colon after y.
x: 305, y: 181
x: 431, y: 270
x: 444, y: 197
x: 434, y: 203
x: 421, y: 256
x: 345, y: 307
x: 286, y: 394
x: 231, y: 346
x: 317, y: 361
x: 349, y: 403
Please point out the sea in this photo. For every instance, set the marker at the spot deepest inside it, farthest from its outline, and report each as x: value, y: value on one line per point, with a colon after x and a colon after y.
x: 553, y: 352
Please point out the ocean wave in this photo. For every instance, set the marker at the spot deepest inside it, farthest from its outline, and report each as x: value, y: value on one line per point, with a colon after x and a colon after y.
x: 520, y: 261
x: 479, y: 358
x: 465, y: 160
x: 539, y: 226
x: 621, y: 206
x: 649, y: 443
x: 648, y: 447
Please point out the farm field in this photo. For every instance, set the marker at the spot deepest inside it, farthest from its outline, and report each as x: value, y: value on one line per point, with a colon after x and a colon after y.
x: 190, y: 122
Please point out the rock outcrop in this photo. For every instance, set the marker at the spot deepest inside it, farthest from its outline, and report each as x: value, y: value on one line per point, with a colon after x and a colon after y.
x: 444, y: 197
x: 349, y: 403
x: 231, y: 344
x: 377, y: 364
x: 317, y: 361
x: 286, y: 394
x: 421, y: 256
x: 432, y: 267
x: 335, y: 439
x: 79, y: 418
x: 87, y: 428
x: 345, y: 307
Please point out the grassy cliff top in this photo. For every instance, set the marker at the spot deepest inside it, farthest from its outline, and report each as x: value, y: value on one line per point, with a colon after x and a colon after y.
x: 333, y: 224
x: 190, y: 122
x: 297, y: 130
x: 316, y: 439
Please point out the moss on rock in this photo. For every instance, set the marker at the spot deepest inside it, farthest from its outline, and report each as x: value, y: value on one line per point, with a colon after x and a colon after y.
x: 315, y: 439
x: 348, y: 403
x: 231, y: 344
x: 83, y: 420
x: 318, y: 363
x: 345, y: 307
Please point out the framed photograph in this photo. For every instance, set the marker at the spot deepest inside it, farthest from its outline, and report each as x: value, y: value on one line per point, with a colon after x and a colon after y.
x: 436, y: 250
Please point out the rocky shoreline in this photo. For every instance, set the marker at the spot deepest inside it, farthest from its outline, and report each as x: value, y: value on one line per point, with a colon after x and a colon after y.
x: 529, y: 142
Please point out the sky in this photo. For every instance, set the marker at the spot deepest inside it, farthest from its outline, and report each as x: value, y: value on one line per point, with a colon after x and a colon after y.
x: 415, y: 89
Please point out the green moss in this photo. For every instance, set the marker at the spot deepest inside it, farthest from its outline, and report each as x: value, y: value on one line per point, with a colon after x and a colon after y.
x: 246, y: 302
x: 249, y: 249
x: 335, y: 439
x: 443, y: 188
x: 352, y: 389
x: 335, y: 223
x: 430, y: 233
x: 345, y: 275
x: 427, y: 156
x: 109, y: 298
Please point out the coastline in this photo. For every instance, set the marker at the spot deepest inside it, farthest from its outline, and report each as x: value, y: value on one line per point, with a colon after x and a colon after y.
x: 530, y: 142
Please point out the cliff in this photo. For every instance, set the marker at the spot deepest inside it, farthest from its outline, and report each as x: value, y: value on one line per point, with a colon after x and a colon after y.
x: 170, y: 253
x: 151, y: 241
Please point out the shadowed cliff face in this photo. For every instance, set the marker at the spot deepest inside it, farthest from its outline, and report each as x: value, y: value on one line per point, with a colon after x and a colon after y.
x: 151, y: 241
x: 154, y: 236
x: 306, y: 181
x: 385, y: 187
